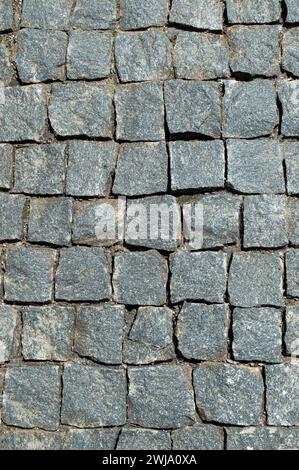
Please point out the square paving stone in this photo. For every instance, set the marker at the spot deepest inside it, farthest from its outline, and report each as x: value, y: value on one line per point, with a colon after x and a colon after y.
x: 47, y: 333
x: 292, y: 11
x: 83, y: 274
x: 23, y: 114
x: 292, y: 330
x: 199, y: 14
x: 262, y: 438
x: 90, y: 168
x: 142, y: 168
x: 291, y: 154
x: 91, y: 439
x: 293, y: 220
x: 145, y: 55
x: 253, y: 11
x: 255, y: 50
x: 198, y: 437
x: 292, y: 267
x: 6, y: 65
x: 249, y: 109
x: 255, y: 279
x: 89, y: 55
x: 282, y: 383
x: 257, y: 334
x: 92, y: 14
x: 197, y: 165
x: 42, y: 14
x: 139, y: 112
x: 265, y: 223
x: 29, y: 274
x: 11, y: 220
x: 7, y: 16
x: 81, y: 109
x: 198, y: 276
x: 50, y: 220
x: 202, y: 331
x: 193, y: 107
x: 136, y: 15
x: 288, y: 93
x: 32, y: 440
x: 6, y: 165
x: 93, y: 396
x: 99, y: 333
x: 140, y: 278
x: 201, y: 56
x: 290, y: 56
x: 248, y: 163
x: 41, y: 55
x: 31, y: 397
x: 229, y: 394
x: 143, y: 439
x: 8, y: 323
x: 160, y: 396
x: 40, y: 169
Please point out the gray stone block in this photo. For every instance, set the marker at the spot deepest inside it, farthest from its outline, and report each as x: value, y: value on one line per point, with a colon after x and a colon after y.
x: 198, y: 276
x: 6, y: 66
x: 292, y: 11
x: 40, y: 169
x: 199, y: 14
x: 265, y: 223
x: 143, y: 439
x: 11, y: 219
x: 31, y: 397
x: 292, y: 269
x: 6, y: 165
x: 99, y: 333
x: 91, y: 439
x: 42, y: 14
x: 160, y: 397
x: 291, y: 337
x: 193, y: 107
x: 202, y: 331
x: 249, y: 109
x: 135, y: 14
x: 89, y: 55
x: 253, y: 11
x: 92, y: 14
x: 145, y: 55
x: 282, y: 382
x: 8, y: 323
x: 255, y: 279
x: 229, y: 394
x: 47, y: 333
x: 139, y: 112
x: 290, y: 56
x: 293, y: 220
x: 262, y: 438
x: 81, y: 109
x: 257, y: 335
x: 32, y: 440
x: 93, y: 396
x: 83, y: 274
x: 7, y: 16
x: 198, y: 437
x: 50, y: 220
x: 23, y: 114
x: 248, y: 163
x: 29, y: 274
x: 291, y: 154
x: 142, y: 168
x: 288, y: 93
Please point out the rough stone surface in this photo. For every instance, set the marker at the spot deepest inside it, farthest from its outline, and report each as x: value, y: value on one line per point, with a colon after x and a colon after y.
x: 11, y: 220
x: 292, y: 271
x: 8, y: 322
x: 288, y: 93
x: 143, y: 439
x: 291, y: 337
x: 42, y: 14
x: 198, y: 437
x: 293, y: 220
x: 253, y: 11
x: 291, y: 154
x: 91, y: 14
x: 292, y: 11
x: 135, y: 14
x: 199, y: 14
x: 282, y: 381
x: 91, y: 439
x: 7, y: 16
x: 262, y: 438
x: 6, y: 165
x: 7, y: 69
x: 32, y: 440
x: 290, y: 56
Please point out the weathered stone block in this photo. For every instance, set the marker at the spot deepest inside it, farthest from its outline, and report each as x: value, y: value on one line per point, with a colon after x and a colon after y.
x: 136, y: 14
x: 43, y: 14
x: 292, y: 11
x: 200, y: 14
x: 293, y: 220
x: 291, y: 337
x: 143, y: 439
x: 91, y: 439
x: 291, y: 153
x: 288, y: 92
x: 32, y: 440
x: 6, y: 65
x: 6, y: 166
x: 290, y: 56
x: 292, y: 267
x: 91, y: 14
x: 11, y: 218
x: 253, y: 11
x: 262, y: 438
x: 198, y: 437
x: 8, y: 322
x: 7, y: 16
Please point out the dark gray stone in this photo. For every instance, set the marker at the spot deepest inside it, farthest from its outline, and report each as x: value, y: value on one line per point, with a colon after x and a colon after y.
x: 43, y: 14
x: 262, y: 438
x: 200, y: 14
x: 135, y: 14
x: 198, y: 437
x: 288, y: 92
x: 32, y: 440
x: 92, y: 14
x: 291, y: 337
x: 290, y: 56
x: 142, y: 168
x: 143, y: 439
x: 40, y: 169
x: 83, y: 275
x: 90, y: 168
x: 291, y: 154
x: 81, y: 109
x: 11, y: 220
x: 6, y: 65
x: 257, y: 334
x: 99, y: 333
x: 193, y: 106
x: 292, y: 11
x: 139, y: 112
x: 248, y: 163
x: 160, y: 397
x: 93, y: 396
x: 8, y: 323
x: 229, y: 394
x: 41, y: 55
x: 50, y: 220
x: 140, y: 278
x: 293, y: 220
x: 6, y: 166
x: 7, y: 16
x: 201, y: 56
x: 91, y: 439
x: 89, y: 55
x: 31, y: 397
x: 47, y: 333
x: 282, y: 383
x: 249, y: 108
x: 253, y: 11
x: 255, y: 280
x: 292, y: 268
x: 198, y: 276
x: 29, y: 274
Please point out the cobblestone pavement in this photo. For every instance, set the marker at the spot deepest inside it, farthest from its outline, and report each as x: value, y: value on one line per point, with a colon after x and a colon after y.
x: 152, y: 343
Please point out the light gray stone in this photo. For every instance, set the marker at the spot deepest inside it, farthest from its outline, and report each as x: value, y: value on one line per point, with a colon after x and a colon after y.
x: 292, y: 270
x: 8, y: 323
x: 199, y: 14
x: 143, y: 439
x: 42, y: 14
x: 198, y: 437
x: 32, y: 440
x: 11, y: 220
x: 6, y: 65
x: 262, y: 438
x: 288, y: 93
x: 92, y: 14
x: 253, y: 11
x: 93, y: 396
x: 292, y: 11
x: 91, y: 439
x: 291, y: 154
x: 290, y: 56
x: 135, y: 14
x: 293, y: 220
x: 7, y: 16
x: 6, y: 165
x: 291, y: 337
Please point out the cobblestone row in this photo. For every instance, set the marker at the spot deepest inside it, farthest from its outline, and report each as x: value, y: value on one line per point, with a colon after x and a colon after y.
x: 149, y: 343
